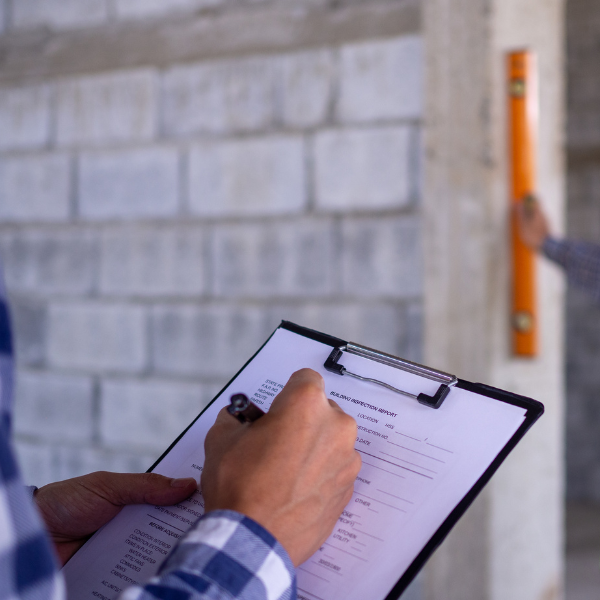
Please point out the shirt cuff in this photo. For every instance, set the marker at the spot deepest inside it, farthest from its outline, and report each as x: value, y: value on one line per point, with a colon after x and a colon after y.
x: 233, y: 552
x: 555, y: 250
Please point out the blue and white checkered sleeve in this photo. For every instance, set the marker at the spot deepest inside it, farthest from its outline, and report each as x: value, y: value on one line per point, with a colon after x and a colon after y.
x: 225, y: 556
x: 28, y: 568
x: 581, y: 261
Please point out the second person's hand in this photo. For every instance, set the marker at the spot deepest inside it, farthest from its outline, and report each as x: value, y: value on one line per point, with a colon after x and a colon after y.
x: 533, y: 224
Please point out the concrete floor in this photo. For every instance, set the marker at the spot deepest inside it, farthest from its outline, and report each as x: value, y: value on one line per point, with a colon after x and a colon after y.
x: 583, y: 551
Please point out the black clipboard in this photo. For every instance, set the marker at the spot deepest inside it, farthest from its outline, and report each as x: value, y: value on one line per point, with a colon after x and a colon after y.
x: 534, y: 410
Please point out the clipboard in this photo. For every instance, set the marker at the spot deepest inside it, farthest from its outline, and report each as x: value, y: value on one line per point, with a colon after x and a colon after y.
x: 337, y: 357
x: 534, y: 410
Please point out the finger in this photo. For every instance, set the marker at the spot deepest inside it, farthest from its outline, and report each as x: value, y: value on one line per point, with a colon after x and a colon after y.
x: 225, y: 428
x: 528, y: 203
x: 303, y: 383
x: 226, y: 421
x: 306, y: 376
x: 523, y: 214
x: 335, y: 405
x: 143, y: 488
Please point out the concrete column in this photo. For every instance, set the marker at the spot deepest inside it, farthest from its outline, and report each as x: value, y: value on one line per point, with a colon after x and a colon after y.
x: 509, y: 545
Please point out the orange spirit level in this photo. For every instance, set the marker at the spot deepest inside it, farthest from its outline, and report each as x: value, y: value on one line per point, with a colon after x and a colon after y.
x: 523, y: 120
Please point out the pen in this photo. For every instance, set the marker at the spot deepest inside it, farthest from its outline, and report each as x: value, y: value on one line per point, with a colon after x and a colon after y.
x: 243, y: 409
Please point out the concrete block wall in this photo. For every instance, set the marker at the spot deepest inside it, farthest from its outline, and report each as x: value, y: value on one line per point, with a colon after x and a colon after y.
x: 583, y: 222
x: 158, y: 219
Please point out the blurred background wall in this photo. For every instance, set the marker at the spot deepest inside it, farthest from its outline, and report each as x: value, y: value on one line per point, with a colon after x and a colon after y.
x: 176, y: 177
x: 583, y: 222
x: 510, y: 542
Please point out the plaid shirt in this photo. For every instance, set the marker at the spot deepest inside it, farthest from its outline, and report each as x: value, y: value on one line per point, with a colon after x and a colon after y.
x: 225, y: 556
x: 581, y: 261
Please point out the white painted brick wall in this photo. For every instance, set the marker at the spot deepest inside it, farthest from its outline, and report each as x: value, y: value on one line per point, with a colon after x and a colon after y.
x: 225, y: 96
x: 129, y: 184
x: 366, y: 169
x: 259, y: 176
x: 210, y: 341
x: 306, y: 87
x: 35, y: 188
x: 382, y: 80
x: 29, y: 318
x: 413, y: 330
x: 49, y: 262
x: 98, y: 337
x: 151, y: 261
x: 149, y: 413
x: 43, y: 463
x: 127, y: 9
x: 265, y: 260
x: 52, y: 407
x: 37, y: 462
x: 24, y: 117
x: 248, y: 94
x: 107, y: 108
x: 59, y: 14
x: 73, y: 462
x: 381, y: 325
x: 382, y: 256
x: 160, y: 311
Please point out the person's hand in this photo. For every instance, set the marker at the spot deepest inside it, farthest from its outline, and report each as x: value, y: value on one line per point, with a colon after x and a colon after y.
x: 74, y: 509
x: 533, y: 225
x: 292, y: 471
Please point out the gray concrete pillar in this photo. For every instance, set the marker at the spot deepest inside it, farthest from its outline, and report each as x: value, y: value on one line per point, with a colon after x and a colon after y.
x: 509, y: 545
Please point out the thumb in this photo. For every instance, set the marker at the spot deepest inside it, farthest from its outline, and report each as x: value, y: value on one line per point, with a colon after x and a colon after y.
x: 146, y: 488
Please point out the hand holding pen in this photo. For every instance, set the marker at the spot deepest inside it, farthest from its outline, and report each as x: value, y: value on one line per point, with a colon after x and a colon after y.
x: 243, y: 409
x: 292, y: 470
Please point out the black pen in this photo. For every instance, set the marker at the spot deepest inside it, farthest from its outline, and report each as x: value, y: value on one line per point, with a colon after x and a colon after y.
x: 243, y: 409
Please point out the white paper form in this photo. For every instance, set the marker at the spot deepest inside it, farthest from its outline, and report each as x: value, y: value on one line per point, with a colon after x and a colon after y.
x: 418, y: 464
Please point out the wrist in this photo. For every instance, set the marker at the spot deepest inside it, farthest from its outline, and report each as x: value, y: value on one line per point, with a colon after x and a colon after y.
x: 545, y: 243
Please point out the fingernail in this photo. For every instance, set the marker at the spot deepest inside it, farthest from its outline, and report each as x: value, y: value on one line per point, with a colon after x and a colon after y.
x: 184, y: 482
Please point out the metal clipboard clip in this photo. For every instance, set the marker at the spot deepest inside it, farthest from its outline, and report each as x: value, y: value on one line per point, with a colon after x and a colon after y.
x: 445, y: 380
